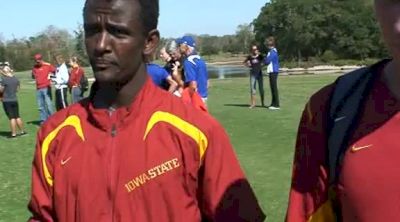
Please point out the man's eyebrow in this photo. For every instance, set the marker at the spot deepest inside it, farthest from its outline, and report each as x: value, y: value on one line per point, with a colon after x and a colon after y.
x: 90, y: 24
x: 121, y: 26
x: 104, y: 11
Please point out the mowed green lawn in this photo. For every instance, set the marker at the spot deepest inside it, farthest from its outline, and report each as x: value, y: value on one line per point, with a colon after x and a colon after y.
x: 263, y: 140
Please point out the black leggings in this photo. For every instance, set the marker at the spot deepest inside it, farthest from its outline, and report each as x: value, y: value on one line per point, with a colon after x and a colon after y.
x: 61, y: 98
x: 273, y: 77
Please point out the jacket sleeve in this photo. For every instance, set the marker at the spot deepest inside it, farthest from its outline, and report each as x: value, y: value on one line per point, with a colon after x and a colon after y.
x: 190, y: 71
x: 270, y: 57
x: 41, y: 202
x: 52, y: 68
x: 225, y: 193
x: 308, y: 198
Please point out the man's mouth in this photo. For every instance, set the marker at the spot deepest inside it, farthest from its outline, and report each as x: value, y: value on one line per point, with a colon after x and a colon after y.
x: 102, y: 64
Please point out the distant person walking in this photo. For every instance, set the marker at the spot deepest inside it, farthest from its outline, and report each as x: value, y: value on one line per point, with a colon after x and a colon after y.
x: 272, y: 62
x: 60, y: 80
x: 9, y: 85
x: 74, y: 81
x: 255, y: 62
x: 41, y: 72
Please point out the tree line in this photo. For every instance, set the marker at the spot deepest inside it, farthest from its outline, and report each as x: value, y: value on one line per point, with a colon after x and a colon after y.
x: 50, y: 42
x: 306, y: 30
x: 321, y: 29
x: 53, y: 41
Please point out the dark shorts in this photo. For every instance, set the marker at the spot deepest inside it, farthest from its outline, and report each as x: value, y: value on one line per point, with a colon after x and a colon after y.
x: 11, y: 109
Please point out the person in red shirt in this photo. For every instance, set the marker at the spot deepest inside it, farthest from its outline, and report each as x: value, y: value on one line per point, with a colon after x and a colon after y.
x: 41, y: 72
x: 131, y: 151
x: 368, y: 176
x: 76, y: 74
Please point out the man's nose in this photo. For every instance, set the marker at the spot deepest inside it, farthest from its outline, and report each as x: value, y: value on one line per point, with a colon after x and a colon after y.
x: 103, y: 44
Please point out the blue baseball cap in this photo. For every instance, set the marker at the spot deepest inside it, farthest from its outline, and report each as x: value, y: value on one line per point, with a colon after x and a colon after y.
x: 188, y: 40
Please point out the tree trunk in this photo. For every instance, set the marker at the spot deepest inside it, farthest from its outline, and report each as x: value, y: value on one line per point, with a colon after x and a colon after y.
x: 298, y: 57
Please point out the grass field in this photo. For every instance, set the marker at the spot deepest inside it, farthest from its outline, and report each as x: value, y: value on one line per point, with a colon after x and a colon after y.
x: 263, y: 140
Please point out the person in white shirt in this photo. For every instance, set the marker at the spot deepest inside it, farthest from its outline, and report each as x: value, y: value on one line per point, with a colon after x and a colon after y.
x: 60, y: 81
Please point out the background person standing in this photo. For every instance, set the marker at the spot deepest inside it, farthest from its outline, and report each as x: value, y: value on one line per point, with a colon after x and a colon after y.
x: 172, y: 66
x: 60, y: 80
x: 74, y: 81
x: 41, y: 72
x: 255, y: 62
x: 9, y: 85
x: 195, y: 68
x: 272, y: 62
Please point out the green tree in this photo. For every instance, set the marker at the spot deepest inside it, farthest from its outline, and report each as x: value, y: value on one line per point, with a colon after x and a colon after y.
x: 208, y: 45
x: 244, y: 37
x: 309, y: 28
x: 80, y: 49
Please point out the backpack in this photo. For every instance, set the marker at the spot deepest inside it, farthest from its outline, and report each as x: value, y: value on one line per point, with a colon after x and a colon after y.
x: 347, y: 99
x: 84, y: 83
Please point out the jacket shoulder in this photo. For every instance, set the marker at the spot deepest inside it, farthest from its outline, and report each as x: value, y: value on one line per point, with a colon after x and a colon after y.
x: 71, y: 114
x: 174, y: 106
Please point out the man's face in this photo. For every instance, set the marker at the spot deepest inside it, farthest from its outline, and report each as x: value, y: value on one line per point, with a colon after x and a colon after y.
x: 114, y: 39
x: 388, y: 15
x: 38, y: 62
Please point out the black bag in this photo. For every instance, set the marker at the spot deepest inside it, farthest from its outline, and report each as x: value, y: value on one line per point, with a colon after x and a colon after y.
x: 84, y: 83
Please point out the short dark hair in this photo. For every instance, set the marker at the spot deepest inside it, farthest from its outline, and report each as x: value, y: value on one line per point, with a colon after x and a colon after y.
x: 149, y: 11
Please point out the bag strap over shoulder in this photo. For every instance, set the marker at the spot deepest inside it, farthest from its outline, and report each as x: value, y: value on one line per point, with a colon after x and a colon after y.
x: 348, y: 96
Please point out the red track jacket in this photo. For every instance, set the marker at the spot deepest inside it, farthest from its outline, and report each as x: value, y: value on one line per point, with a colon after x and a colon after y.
x: 157, y: 160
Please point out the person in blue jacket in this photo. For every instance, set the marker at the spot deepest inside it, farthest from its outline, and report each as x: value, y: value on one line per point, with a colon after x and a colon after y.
x: 272, y: 62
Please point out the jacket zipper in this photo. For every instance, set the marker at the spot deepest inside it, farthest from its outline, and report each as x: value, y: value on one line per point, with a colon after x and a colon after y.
x: 113, y: 134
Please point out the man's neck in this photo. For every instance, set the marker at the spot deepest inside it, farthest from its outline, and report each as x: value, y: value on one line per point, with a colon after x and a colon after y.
x: 114, y: 95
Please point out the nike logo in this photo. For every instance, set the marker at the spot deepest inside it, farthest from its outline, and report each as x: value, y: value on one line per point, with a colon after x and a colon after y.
x: 63, y: 162
x: 358, y: 148
x: 340, y: 118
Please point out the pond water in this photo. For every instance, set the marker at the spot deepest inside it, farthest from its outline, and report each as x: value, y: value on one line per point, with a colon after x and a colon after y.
x: 230, y: 71
x: 222, y: 72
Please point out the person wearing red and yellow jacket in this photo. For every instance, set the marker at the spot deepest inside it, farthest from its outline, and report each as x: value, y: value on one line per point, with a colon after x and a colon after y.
x: 131, y: 151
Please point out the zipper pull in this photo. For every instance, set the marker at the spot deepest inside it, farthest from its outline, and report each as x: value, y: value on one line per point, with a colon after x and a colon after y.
x: 111, y: 110
x: 113, y: 130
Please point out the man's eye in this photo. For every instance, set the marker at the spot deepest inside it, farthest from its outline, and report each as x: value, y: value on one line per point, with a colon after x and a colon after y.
x: 119, y: 32
x: 91, y: 30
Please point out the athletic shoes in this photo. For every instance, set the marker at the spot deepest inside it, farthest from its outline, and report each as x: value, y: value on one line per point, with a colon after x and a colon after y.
x: 274, y: 108
x: 23, y: 133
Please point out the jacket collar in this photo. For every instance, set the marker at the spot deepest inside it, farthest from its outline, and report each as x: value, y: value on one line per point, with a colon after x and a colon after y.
x: 111, y: 119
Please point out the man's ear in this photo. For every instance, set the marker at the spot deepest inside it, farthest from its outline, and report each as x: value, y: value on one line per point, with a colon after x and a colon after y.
x: 152, y: 40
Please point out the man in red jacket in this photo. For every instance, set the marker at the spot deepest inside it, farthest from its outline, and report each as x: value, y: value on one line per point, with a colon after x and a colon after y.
x: 41, y: 73
x: 131, y: 151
